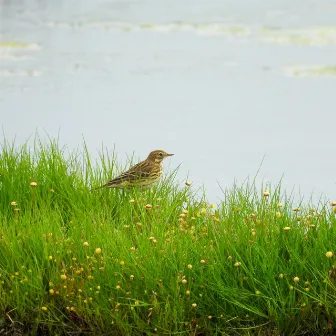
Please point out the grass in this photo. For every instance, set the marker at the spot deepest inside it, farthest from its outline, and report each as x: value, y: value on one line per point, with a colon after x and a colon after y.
x: 102, y: 263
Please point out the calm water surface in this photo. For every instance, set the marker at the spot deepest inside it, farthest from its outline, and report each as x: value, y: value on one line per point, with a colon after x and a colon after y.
x: 219, y: 83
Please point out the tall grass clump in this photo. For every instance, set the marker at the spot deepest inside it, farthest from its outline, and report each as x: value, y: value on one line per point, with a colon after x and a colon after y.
x: 162, y: 261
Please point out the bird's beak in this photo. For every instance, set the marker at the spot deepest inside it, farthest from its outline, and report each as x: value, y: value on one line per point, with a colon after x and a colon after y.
x: 170, y: 154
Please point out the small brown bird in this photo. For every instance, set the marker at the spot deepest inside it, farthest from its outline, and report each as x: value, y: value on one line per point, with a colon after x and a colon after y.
x: 141, y: 175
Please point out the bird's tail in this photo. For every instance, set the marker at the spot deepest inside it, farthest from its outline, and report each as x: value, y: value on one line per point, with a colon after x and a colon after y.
x: 93, y: 189
x: 107, y: 185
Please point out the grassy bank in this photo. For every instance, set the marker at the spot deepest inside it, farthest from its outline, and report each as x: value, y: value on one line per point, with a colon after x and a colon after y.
x: 159, y: 261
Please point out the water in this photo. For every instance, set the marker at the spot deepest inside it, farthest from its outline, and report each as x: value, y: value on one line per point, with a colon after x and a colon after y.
x: 222, y: 84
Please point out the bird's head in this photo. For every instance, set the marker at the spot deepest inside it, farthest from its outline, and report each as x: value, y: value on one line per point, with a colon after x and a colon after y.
x: 157, y: 156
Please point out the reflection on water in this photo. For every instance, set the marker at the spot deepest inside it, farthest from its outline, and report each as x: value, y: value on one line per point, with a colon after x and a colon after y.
x: 314, y: 71
x: 219, y: 83
x: 291, y: 36
x: 317, y: 36
x: 14, y: 45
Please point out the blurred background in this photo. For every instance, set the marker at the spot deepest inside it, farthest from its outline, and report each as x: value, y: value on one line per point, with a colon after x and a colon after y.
x: 227, y: 85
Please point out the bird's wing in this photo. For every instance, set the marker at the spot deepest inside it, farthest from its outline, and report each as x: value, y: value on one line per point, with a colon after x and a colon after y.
x: 139, y: 171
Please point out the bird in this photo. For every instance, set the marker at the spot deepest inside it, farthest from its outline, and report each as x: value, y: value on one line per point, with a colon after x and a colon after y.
x: 142, y: 175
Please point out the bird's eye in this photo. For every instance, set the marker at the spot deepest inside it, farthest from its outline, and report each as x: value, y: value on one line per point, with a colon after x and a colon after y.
x: 160, y: 154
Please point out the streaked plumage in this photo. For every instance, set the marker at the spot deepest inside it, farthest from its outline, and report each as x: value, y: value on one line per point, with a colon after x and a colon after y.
x: 141, y: 175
